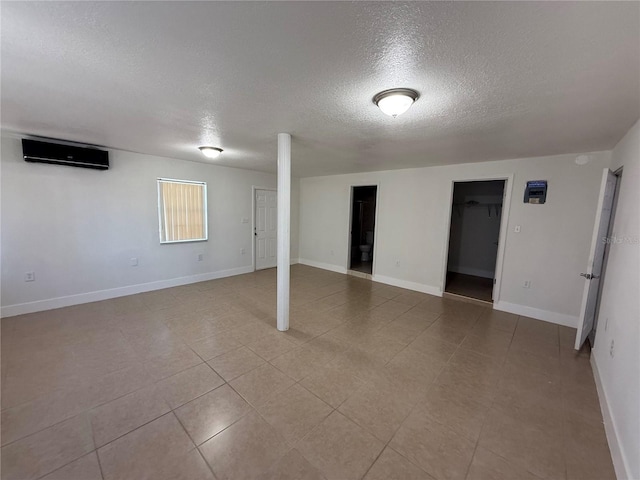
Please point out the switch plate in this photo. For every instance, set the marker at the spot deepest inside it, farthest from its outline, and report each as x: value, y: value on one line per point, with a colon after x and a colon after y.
x: 244, y: 220
x: 526, y: 284
x: 243, y: 251
x: 200, y: 257
x: 517, y: 229
x: 133, y: 262
x: 29, y: 277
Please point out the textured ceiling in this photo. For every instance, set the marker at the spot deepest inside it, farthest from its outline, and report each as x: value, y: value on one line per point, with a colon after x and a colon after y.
x: 497, y: 80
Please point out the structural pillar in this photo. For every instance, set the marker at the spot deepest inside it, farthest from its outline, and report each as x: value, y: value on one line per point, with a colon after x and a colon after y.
x: 284, y: 228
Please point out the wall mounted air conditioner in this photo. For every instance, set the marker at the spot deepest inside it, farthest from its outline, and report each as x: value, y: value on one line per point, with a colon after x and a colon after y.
x: 60, y: 154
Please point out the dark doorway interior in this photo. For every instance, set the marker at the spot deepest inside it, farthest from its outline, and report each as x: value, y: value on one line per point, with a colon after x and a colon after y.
x: 363, y: 218
x: 476, y: 214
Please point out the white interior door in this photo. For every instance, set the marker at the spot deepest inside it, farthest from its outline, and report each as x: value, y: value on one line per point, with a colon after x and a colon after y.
x: 266, y: 219
x: 596, y: 257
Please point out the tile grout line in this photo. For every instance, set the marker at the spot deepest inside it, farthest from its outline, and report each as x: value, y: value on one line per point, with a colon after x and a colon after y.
x: 478, y: 438
x: 564, y: 405
x: 387, y: 444
x: 493, y: 402
x: 99, y: 463
x: 459, y: 346
x: 95, y: 450
x: 301, y: 345
x: 333, y: 409
x: 195, y: 445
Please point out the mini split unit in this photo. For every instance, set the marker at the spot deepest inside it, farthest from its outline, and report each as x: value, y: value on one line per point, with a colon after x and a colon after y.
x: 60, y: 154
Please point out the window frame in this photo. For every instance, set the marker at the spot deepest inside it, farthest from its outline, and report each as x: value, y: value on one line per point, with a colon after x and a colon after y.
x: 159, y: 181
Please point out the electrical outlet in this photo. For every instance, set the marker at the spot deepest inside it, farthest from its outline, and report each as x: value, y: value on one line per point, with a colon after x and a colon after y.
x: 200, y: 257
x: 29, y: 277
x: 611, y: 348
x: 133, y: 262
x: 243, y: 251
x: 526, y: 284
x: 517, y: 229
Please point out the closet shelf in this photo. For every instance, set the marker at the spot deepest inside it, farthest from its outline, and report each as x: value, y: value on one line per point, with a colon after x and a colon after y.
x: 473, y: 204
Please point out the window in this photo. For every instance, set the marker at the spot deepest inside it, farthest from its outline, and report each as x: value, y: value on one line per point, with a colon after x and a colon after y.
x: 182, y: 210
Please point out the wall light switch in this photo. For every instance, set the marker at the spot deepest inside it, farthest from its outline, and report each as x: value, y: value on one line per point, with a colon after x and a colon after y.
x: 244, y: 220
x: 517, y: 229
x: 133, y: 262
x: 243, y: 251
x: 200, y: 257
x: 30, y: 277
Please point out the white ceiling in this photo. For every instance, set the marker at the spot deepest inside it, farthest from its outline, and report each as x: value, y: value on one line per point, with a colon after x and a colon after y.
x: 497, y: 80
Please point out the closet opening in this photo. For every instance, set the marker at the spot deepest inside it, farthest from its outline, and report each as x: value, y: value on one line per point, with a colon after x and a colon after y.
x: 476, y: 215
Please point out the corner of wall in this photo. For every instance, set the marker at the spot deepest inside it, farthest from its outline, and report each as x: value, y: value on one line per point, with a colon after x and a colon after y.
x: 620, y: 464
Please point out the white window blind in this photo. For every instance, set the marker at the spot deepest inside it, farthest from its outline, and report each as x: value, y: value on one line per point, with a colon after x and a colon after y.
x: 182, y: 210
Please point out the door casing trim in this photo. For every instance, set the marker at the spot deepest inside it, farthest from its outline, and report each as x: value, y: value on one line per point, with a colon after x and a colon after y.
x: 504, y: 229
x: 375, y: 227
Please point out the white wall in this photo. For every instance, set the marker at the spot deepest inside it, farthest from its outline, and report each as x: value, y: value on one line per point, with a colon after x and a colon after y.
x: 413, y: 221
x: 618, y: 375
x: 77, y: 229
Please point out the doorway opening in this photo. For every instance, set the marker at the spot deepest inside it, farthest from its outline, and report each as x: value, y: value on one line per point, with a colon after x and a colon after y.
x: 363, y: 222
x: 474, y: 232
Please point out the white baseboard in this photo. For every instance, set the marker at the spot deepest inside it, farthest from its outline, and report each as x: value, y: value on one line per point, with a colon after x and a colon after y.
x: 418, y: 287
x: 396, y: 282
x: 537, y: 313
x: 476, y: 272
x: 293, y: 261
x: 324, y: 266
x: 613, y: 439
x: 59, y: 302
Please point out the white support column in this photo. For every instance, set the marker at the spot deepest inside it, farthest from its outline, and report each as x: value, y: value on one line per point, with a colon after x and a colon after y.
x: 284, y: 228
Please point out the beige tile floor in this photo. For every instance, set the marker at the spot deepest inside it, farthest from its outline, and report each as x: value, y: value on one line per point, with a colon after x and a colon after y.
x: 370, y: 382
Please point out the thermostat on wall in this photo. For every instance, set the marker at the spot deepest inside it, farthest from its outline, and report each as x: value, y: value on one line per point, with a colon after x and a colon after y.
x: 536, y: 192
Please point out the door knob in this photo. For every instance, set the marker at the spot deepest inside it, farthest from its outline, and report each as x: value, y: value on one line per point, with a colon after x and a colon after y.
x: 588, y: 276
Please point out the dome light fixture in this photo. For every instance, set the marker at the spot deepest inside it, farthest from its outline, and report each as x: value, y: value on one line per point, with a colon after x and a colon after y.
x: 210, y: 152
x: 582, y: 159
x: 395, y: 101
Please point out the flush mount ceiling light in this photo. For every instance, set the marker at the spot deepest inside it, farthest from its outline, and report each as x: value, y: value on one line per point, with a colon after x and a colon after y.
x: 210, y: 152
x: 582, y: 159
x: 395, y: 101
